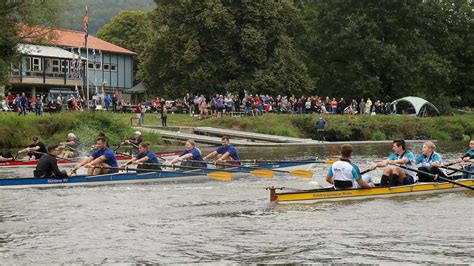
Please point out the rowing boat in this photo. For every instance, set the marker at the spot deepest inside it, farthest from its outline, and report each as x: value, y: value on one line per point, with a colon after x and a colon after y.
x: 120, y: 157
x: 121, y: 178
x: 330, y: 194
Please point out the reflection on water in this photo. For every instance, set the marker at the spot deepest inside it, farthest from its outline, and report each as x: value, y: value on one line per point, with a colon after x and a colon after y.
x: 233, y: 222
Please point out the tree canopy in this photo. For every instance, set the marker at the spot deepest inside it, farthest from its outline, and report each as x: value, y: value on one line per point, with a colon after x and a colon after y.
x: 390, y: 49
x: 219, y: 46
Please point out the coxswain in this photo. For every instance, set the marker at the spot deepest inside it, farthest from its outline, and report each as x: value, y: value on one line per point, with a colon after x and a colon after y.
x: 6, y: 156
x: 35, y: 150
x: 145, y: 159
x: 343, y: 174
x: 48, y: 166
x: 73, y: 144
x: 430, y: 162
x: 225, y: 153
x: 392, y: 174
x: 101, y: 161
x: 191, y: 156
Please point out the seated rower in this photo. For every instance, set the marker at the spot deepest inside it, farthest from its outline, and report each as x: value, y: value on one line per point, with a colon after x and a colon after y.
x: 430, y: 162
x: 392, y: 174
x: 48, y: 166
x: 73, y: 144
x: 468, y: 158
x: 35, y: 150
x: 344, y: 174
x: 6, y: 156
x: 101, y: 161
x: 135, y: 141
x: 191, y: 152
x: 225, y: 153
x: 145, y: 159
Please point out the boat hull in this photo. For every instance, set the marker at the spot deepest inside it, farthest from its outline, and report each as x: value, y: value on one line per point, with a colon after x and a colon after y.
x: 127, y: 178
x: 323, y: 195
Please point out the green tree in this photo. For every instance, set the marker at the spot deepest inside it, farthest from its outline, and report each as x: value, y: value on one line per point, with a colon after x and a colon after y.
x: 101, y: 12
x: 130, y: 29
x: 387, y: 49
x: 17, y: 21
x: 218, y: 46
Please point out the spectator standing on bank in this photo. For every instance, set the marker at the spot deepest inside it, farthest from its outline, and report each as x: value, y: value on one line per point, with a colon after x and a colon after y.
x: 321, y: 128
x: 164, y: 115
x: 362, y: 107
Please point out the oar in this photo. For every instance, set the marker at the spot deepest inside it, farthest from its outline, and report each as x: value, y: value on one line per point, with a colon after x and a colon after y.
x: 435, y: 176
x: 58, y: 157
x: 457, y: 170
x: 221, y: 176
x: 265, y: 173
x: 328, y: 161
x: 118, y: 147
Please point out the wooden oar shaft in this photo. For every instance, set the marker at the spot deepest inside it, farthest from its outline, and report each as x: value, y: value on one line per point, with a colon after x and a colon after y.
x: 434, y: 175
x: 58, y: 157
x: 457, y: 170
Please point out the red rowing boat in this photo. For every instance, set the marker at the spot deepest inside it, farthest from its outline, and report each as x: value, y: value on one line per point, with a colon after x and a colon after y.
x: 120, y: 157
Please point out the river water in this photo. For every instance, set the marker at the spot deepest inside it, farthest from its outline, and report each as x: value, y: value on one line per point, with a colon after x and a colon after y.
x: 208, y: 221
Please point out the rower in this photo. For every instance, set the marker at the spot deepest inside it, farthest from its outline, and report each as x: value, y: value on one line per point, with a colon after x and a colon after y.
x: 35, y: 150
x: 48, y: 166
x: 103, y: 158
x: 430, y: 162
x: 469, y: 159
x: 392, y: 174
x: 225, y: 153
x: 72, y: 143
x: 6, y: 156
x: 191, y: 152
x: 146, y: 159
x: 135, y: 141
x: 344, y: 174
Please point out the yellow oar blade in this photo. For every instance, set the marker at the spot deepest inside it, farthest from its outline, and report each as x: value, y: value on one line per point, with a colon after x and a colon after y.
x: 220, y: 176
x: 302, y: 173
x: 263, y: 173
x: 331, y: 160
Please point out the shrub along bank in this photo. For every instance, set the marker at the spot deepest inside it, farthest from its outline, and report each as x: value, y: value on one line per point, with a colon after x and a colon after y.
x: 18, y: 130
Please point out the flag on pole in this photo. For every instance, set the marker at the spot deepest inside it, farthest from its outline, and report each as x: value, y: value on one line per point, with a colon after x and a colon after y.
x: 85, y: 26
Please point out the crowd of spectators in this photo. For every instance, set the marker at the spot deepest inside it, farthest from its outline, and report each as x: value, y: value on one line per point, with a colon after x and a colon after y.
x: 253, y: 105
x: 200, y: 105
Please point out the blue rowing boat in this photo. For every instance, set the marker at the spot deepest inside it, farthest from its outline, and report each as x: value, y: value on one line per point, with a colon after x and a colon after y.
x: 119, y: 178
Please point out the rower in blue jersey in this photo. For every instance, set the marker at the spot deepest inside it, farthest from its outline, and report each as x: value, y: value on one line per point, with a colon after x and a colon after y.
x: 225, y: 153
x: 191, y: 156
x: 101, y: 161
x: 392, y: 174
x: 468, y: 158
x: 344, y: 174
x: 146, y: 159
x: 430, y: 162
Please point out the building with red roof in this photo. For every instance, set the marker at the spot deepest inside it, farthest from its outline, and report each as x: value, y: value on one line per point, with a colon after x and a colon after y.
x: 59, y: 64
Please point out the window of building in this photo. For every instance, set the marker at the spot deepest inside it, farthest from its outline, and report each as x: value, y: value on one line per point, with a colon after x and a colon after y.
x: 27, y: 63
x: 113, y: 68
x: 106, y: 67
x: 98, y: 66
x: 55, y: 66
x: 91, y: 65
x: 65, y: 64
x: 36, y: 64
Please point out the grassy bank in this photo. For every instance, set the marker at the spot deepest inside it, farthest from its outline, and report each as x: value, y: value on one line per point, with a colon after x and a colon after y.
x: 339, y: 128
x: 18, y: 130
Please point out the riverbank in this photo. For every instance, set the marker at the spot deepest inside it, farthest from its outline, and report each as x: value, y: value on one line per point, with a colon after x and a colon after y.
x: 17, y: 130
